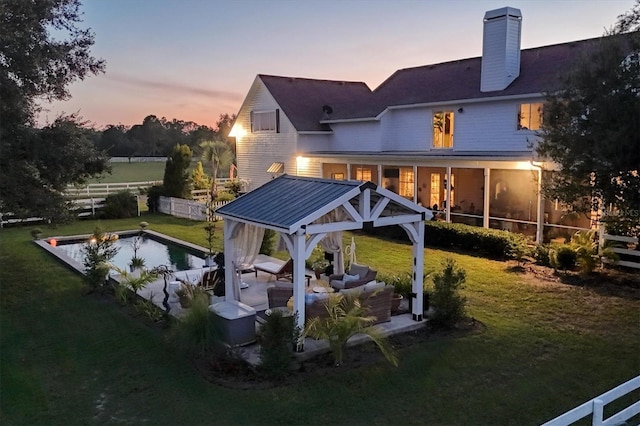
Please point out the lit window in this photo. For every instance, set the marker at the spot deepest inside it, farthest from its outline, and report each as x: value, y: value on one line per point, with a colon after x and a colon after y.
x: 264, y: 121
x: 443, y: 129
x: 530, y: 116
x: 363, y: 174
x: 434, y: 199
x: 406, y: 182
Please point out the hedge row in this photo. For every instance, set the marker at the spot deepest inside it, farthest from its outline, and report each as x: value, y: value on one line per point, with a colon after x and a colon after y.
x: 492, y: 243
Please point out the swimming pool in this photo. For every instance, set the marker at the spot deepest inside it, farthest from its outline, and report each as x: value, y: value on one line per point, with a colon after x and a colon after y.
x: 156, y: 249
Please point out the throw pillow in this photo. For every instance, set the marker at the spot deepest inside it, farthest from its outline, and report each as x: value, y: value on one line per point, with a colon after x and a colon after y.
x: 347, y: 277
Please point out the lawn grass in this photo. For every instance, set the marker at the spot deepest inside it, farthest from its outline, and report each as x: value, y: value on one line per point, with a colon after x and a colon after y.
x: 132, y: 172
x: 70, y: 359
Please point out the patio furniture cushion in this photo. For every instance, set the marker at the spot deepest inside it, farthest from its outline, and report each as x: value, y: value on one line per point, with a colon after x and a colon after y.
x: 365, y: 275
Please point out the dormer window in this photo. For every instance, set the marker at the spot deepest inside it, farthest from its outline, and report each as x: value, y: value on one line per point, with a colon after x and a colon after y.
x: 265, y: 121
x: 443, y: 129
x: 530, y: 116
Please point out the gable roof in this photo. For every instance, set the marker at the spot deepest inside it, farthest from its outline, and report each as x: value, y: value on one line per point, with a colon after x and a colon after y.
x: 302, y: 99
x: 288, y: 203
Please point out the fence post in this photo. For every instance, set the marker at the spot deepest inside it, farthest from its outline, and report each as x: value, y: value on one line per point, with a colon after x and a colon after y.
x: 93, y: 207
x: 598, y: 412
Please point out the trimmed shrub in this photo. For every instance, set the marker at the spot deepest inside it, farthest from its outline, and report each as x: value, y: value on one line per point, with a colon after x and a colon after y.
x: 153, y: 197
x: 448, y: 303
x: 120, y: 205
x: 278, y: 337
x: 563, y: 257
x: 494, y: 243
x: 541, y: 254
x: 224, y: 196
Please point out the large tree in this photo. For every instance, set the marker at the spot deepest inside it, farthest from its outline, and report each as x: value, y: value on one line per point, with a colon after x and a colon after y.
x: 591, y: 127
x: 37, y: 164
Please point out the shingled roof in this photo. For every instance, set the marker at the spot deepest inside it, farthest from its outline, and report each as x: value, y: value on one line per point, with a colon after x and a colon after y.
x: 302, y: 99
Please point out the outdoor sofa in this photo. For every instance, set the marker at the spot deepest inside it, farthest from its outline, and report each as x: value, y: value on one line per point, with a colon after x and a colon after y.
x: 374, y: 297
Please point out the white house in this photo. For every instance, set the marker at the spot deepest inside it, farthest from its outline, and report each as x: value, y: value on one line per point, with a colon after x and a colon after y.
x: 460, y: 131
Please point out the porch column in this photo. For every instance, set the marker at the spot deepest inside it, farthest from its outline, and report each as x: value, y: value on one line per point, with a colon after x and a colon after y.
x: 540, y: 228
x: 299, y: 257
x: 379, y: 182
x: 447, y: 196
x: 487, y: 197
x: 415, y: 184
x: 229, y: 249
x: 348, y: 171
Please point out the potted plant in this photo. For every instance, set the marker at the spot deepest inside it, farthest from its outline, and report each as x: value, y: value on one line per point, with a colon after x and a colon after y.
x: 36, y: 233
x: 319, y: 266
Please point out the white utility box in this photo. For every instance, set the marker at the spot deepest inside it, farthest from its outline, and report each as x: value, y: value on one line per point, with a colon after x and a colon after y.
x: 238, y: 322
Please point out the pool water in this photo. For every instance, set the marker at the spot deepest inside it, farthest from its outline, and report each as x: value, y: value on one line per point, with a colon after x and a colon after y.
x: 154, y: 253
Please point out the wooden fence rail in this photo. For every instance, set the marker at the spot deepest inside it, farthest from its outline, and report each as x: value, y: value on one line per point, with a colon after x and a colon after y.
x: 595, y: 408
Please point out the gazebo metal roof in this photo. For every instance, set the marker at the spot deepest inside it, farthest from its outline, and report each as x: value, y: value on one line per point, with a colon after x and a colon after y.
x: 289, y: 202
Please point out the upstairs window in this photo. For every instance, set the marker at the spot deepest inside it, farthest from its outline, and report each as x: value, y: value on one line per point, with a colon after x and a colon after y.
x: 530, y: 116
x: 265, y: 121
x: 443, y: 129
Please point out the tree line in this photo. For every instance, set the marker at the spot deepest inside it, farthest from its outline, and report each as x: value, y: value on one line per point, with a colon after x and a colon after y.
x: 156, y: 137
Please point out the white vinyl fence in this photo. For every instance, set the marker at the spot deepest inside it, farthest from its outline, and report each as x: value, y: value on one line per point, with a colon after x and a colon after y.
x: 595, y: 408
x: 188, y: 209
x: 101, y: 190
x: 629, y: 241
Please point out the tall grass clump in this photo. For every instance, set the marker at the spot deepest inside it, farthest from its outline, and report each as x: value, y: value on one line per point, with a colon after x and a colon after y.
x: 198, y: 332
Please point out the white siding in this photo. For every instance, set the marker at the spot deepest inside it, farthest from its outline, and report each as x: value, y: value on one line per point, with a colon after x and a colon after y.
x: 490, y: 126
x: 356, y: 136
x: 311, y: 143
x: 257, y: 151
x: 406, y: 130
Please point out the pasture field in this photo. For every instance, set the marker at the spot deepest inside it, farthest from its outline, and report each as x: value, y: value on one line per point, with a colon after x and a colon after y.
x: 546, y: 347
x: 132, y: 172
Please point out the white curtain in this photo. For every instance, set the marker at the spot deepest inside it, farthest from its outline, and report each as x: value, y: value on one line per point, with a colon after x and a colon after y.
x: 247, y: 241
x: 332, y: 242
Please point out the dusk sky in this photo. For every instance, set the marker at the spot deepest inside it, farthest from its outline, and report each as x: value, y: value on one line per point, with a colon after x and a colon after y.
x: 195, y: 59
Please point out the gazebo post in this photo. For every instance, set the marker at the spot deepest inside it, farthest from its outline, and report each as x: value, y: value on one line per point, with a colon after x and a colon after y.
x: 418, y: 271
x: 229, y: 249
x: 299, y: 257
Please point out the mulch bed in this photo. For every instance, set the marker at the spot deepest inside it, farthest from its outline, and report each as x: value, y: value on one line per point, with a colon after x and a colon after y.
x: 235, y: 373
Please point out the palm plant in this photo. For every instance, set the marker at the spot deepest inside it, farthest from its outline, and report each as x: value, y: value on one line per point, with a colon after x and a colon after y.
x: 219, y: 155
x: 587, y: 251
x: 346, y: 318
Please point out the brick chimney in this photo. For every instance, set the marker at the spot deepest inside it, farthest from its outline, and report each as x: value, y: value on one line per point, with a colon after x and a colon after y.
x: 500, y: 48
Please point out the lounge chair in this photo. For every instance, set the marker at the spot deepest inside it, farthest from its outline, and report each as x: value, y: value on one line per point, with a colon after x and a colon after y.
x: 284, y: 270
x: 213, y: 280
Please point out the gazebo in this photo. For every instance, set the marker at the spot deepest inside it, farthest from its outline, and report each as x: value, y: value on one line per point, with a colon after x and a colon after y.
x: 305, y: 210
